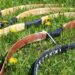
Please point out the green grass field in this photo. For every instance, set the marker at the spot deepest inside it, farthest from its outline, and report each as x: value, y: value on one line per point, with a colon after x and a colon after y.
x: 62, y: 64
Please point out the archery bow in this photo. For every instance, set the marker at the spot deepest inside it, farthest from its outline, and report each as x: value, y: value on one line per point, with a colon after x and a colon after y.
x: 50, y: 52
x: 31, y: 38
x: 37, y: 11
x: 14, y: 9
x: 42, y: 20
x: 26, y: 40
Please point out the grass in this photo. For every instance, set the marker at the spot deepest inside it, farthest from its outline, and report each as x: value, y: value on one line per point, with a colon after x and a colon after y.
x: 62, y: 64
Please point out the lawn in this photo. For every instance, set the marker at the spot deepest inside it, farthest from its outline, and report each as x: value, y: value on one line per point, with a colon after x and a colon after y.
x: 62, y: 64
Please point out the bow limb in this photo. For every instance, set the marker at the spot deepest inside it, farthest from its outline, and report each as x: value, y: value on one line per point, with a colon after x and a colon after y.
x: 66, y: 14
x: 70, y: 24
x: 11, y: 10
x: 55, y: 15
x: 13, y: 28
x: 40, y: 11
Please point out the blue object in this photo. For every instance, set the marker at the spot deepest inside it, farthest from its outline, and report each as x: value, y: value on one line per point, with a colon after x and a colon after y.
x: 35, y: 22
x: 56, y: 33
x: 1, y: 24
x: 13, y: 21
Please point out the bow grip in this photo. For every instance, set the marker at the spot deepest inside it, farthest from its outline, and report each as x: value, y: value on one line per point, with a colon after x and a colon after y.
x: 71, y: 46
x: 13, y: 21
x: 67, y: 47
x: 1, y: 24
x: 56, y: 33
x: 35, y: 22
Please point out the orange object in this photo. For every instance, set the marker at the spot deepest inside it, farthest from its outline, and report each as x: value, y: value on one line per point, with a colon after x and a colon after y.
x: 70, y: 24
